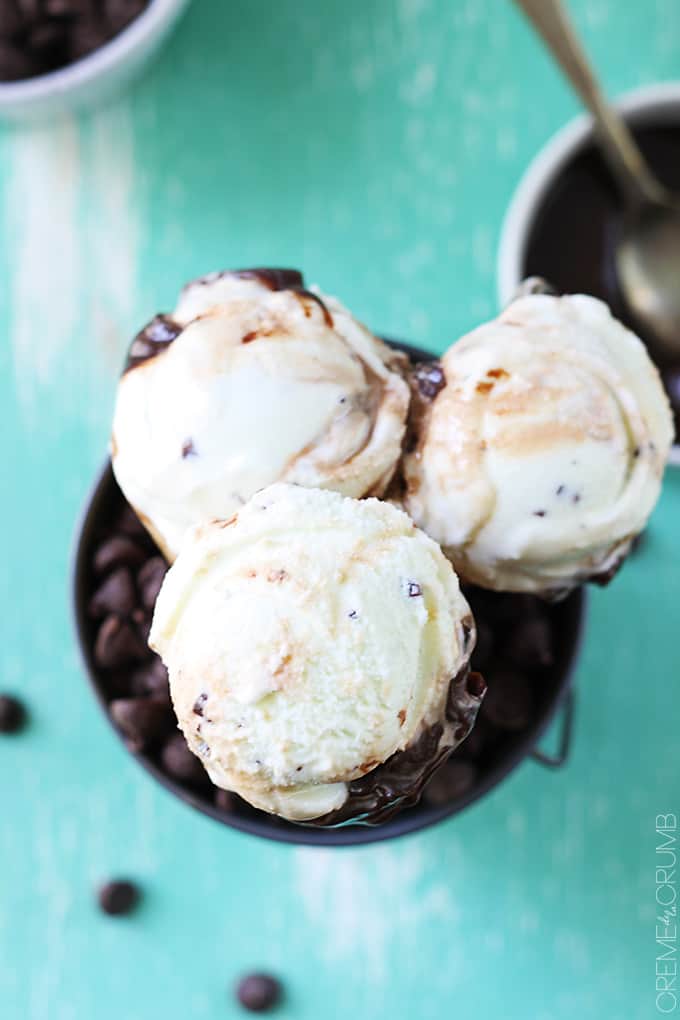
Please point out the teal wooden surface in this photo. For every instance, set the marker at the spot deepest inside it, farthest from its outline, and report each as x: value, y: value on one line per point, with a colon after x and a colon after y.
x: 376, y: 145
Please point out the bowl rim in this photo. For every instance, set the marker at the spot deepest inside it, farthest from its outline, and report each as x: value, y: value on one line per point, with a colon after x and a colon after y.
x: 658, y: 102
x: 142, y: 28
x: 404, y: 823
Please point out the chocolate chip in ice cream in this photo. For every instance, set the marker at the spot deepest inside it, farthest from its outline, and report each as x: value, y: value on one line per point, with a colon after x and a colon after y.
x: 13, y: 715
x: 259, y: 992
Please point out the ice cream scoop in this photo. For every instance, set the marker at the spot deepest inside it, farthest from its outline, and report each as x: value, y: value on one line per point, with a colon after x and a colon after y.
x: 318, y: 651
x: 541, y: 455
x: 253, y: 379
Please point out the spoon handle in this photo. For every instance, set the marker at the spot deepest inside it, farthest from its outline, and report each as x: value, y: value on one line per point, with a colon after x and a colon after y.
x: 625, y: 160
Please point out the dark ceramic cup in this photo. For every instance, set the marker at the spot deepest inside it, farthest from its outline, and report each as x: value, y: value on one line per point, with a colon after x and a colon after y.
x: 551, y: 691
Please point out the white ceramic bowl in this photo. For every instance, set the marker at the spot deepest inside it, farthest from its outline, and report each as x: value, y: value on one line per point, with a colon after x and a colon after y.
x: 97, y: 76
x: 652, y: 104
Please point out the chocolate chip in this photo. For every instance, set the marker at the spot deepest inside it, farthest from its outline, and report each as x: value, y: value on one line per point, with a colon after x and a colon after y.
x: 508, y: 701
x: 17, y: 64
x: 180, y: 763
x: 450, y: 781
x: 150, y: 579
x: 118, y: 897
x: 540, y: 513
x: 118, y: 644
x: 151, y: 679
x: 199, y: 704
x: 129, y: 523
x: 225, y: 800
x: 142, y: 720
x: 142, y: 621
x: 13, y: 715
x: 534, y: 285
x: 414, y: 589
x: 481, y: 741
x: 429, y: 378
x: 119, y: 551
x: 188, y: 449
x: 259, y: 992
x: 530, y: 644
x: 115, y: 595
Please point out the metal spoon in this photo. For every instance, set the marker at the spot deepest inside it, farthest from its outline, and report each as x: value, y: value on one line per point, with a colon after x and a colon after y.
x: 647, y: 252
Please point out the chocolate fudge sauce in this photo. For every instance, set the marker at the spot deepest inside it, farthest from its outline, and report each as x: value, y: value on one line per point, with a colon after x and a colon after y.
x: 162, y: 330
x: 573, y: 239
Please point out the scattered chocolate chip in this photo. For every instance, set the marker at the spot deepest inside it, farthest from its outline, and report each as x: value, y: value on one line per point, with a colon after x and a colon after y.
x: 259, y: 992
x: 151, y: 679
x: 508, y: 701
x: 188, y: 449
x: 540, y: 513
x: 199, y: 704
x: 225, y: 800
x: 118, y: 551
x: 118, y: 644
x: 353, y: 614
x: 118, y: 897
x: 142, y: 720
x: 179, y: 762
x: 453, y: 779
x: 560, y: 490
x: 116, y: 594
x: 13, y: 715
x: 530, y: 644
x: 150, y: 579
x: 414, y: 589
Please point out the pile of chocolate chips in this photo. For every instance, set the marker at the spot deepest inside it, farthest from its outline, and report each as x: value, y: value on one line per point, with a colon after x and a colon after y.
x: 516, y: 646
x: 515, y: 652
x: 38, y: 36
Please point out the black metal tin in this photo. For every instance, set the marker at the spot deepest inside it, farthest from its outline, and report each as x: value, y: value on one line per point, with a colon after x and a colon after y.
x: 570, y: 615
